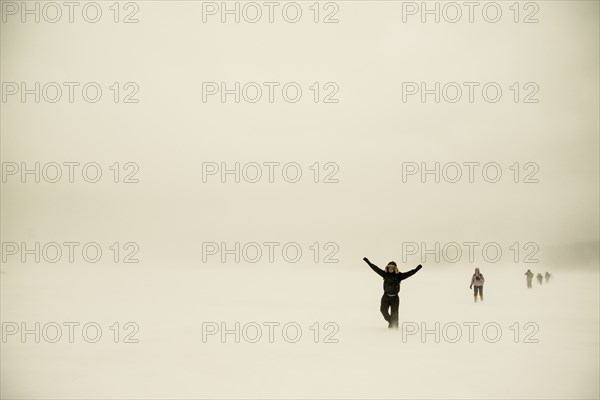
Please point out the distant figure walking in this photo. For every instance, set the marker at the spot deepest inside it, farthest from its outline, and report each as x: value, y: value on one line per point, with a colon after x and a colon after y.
x: 529, y: 276
x: 548, y: 276
x: 477, y: 281
x: 391, y: 287
x: 540, y: 278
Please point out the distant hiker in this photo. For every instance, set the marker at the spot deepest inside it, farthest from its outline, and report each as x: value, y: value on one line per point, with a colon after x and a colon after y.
x: 548, y: 276
x: 540, y: 278
x: 477, y: 281
x: 391, y: 287
x: 529, y: 276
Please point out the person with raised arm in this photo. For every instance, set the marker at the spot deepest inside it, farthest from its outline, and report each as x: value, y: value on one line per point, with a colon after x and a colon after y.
x: 391, y: 287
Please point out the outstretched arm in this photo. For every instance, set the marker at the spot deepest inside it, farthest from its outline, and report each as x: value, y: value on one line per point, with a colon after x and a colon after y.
x: 374, y: 267
x: 411, y: 272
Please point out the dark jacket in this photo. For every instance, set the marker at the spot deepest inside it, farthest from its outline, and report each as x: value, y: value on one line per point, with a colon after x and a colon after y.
x: 391, y: 280
x: 529, y: 275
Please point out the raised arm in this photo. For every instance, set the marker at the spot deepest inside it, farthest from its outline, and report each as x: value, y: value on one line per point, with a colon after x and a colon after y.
x: 411, y: 272
x: 374, y: 267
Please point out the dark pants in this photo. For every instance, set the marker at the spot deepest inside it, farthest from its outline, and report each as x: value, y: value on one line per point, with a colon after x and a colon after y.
x: 478, y: 289
x: 388, y: 302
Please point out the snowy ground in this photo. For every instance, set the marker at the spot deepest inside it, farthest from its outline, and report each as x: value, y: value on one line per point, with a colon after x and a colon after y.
x: 368, y: 361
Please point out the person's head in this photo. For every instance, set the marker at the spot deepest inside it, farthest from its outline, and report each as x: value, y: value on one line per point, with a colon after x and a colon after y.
x: 477, y: 271
x: 391, y: 267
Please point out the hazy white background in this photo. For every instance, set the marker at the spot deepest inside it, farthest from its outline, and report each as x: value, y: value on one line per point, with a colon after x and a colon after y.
x: 370, y: 212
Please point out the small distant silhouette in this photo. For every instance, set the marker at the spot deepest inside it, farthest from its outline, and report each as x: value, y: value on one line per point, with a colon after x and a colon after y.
x: 477, y: 281
x: 529, y: 276
x: 548, y: 275
x: 540, y: 278
x: 391, y: 287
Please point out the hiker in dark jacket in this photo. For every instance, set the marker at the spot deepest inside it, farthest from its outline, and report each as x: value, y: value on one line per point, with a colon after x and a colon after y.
x: 540, y: 278
x: 477, y: 281
x: 529, y: 276
x: 391, y: 287
x: 548, y: 275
